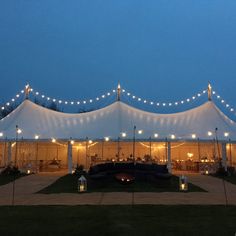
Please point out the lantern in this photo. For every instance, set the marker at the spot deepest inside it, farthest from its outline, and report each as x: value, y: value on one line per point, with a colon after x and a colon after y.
x: 183, y: 183
x: 82, y: 184
x: 29, y: 168
x: 206, y: 170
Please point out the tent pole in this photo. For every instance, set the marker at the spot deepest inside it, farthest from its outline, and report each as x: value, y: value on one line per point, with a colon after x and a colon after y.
x: 169, y: 157
x: 37, y: 147
x: 118, y: 148
x: 9, y: 153
x: 150, y: 146
x: 69, y: 156
x: 102, y: 149
x: 86, y: 153
x: 230, y: 151
x: 134, y: 133
x: 224, y: 156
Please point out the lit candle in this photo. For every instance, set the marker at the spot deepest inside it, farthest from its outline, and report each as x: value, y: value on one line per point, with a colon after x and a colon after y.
x: 81, y: 188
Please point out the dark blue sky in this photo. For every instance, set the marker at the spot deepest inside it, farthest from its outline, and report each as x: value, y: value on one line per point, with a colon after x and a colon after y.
x: 159, y: 49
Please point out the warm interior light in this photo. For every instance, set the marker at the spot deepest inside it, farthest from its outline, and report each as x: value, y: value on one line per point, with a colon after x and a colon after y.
x: 190, y: 155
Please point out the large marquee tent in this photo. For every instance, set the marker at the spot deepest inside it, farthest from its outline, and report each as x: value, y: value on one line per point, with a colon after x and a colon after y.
x: 119, y: 125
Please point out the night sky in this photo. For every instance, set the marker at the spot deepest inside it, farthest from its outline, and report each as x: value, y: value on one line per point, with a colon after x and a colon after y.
x: 163, y: 50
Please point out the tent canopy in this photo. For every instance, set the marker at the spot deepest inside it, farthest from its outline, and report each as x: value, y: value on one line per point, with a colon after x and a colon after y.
x: 116, y: 119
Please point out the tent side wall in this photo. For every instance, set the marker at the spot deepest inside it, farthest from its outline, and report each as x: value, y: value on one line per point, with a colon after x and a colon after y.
x: 184, y: 155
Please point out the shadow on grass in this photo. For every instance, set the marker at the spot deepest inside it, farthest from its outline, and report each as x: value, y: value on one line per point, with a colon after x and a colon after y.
x: 6, y: 179
x: 68, y: 184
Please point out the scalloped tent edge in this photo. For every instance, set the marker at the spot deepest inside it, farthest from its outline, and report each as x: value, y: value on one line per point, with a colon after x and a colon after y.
x: 115, y: 119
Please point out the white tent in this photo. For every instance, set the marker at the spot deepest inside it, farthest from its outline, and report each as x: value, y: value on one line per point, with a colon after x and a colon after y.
x: 116, y: 119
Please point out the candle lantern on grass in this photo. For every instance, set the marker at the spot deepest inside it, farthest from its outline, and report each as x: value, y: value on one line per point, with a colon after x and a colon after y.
x: 82, y: 184
x: 183, y: 183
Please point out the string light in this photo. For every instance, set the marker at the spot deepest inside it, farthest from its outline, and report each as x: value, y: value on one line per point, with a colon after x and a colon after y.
x: 223, y: 102
x: 162, y: 146
x: 226, y: 134
x: 12, y: 101
x: 209, y: 133
x: 19, y: 131
x: 164, y: 104
x: 61, y: 101
x: 109, y: 93
x: 53, y: 140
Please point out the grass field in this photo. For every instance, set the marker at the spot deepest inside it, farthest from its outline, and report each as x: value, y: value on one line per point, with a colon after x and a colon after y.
x: 5, y: 179
x: 231, y: 179
x: 118, y: 220
x: 68, y: 184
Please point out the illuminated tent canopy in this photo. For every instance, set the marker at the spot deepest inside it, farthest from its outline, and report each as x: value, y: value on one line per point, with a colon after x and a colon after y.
x: 118, y: 120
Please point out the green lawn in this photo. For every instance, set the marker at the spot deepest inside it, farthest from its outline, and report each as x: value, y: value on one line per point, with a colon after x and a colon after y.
x: 231, y: 179
x: 5, y: 179
x: 118, y: 220
x: 68, y: 184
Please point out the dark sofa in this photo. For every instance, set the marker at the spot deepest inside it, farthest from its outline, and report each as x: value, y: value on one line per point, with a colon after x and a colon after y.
x: 136, y: 169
